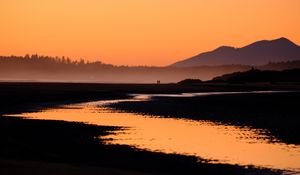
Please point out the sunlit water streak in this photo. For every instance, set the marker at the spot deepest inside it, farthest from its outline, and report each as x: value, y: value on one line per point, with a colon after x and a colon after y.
x: 196, y: 94
x: 208, y: 140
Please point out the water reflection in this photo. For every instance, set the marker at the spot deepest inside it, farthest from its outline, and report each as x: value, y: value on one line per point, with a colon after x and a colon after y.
x: 208, y: 140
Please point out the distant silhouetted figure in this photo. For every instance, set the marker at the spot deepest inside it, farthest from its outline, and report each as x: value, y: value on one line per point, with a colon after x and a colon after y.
x: 158, y: 82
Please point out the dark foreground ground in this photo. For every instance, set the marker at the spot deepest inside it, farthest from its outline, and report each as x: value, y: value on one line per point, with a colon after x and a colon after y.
x: 16, y: 97
x: 57, y: 147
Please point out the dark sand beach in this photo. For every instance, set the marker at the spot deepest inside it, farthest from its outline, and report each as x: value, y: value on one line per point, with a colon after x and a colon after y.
x: 58, y: 147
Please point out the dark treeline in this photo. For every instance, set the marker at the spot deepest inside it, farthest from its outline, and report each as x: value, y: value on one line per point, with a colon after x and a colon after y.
x: 45, y: 68
x: 255, y: 75
x: 37, y: 61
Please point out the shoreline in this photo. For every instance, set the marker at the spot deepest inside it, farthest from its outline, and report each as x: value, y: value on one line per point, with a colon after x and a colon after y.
x: 261, y: 111
x: 77, y: 144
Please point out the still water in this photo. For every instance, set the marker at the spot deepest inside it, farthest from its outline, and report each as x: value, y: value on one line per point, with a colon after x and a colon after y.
x: 208, y: 140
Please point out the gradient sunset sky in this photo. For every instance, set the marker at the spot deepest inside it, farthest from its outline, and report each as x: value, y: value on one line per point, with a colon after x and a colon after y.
x: 141, y: 32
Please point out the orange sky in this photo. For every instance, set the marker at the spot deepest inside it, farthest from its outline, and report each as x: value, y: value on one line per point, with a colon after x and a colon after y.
x: 141, y: 32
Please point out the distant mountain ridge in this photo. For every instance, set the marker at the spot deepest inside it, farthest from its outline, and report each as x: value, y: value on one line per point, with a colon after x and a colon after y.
x: 257, y: 53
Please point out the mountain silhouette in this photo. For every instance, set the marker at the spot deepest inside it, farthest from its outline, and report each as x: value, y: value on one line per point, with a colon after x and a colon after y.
x: 257, y: 53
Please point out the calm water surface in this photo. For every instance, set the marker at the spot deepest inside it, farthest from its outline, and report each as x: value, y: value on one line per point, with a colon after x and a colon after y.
x: 208, y: 140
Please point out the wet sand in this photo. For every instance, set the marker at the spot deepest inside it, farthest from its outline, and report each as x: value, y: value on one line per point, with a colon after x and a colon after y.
x: 276, y: 112
x: 203, y: 139
x: 30, y: 143
x: 77, y: 146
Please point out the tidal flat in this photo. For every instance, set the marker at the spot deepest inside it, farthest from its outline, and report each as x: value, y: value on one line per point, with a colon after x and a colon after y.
x: 79, y: 146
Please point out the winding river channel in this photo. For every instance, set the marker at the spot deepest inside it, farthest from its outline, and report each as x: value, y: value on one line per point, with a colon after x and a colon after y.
x: 208, y: 140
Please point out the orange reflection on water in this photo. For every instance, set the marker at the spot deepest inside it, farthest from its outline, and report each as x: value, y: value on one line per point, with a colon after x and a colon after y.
x: 208, y: 140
